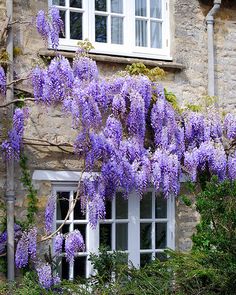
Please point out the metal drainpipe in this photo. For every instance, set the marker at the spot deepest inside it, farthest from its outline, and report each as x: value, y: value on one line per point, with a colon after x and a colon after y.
x: 211, y: 59
x: 10, y: 194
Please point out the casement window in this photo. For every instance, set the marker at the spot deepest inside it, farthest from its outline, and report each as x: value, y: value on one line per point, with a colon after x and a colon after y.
x: 117, y: 27
x: 141, y: 228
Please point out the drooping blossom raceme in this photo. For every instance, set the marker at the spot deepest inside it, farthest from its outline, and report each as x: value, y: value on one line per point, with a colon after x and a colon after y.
x: 3, y: 81
x: 3, y: 241
x: 38, y: 81
x: 230, y: 126
x: 22, y: 251
x: 85, y: 68
x: 49, y: 213
x: 232, y: 166
x: 45, y: 278
x: 57, y: 26
x: 58, y: 243
x: 32, y: 239
x: 74, y: 243
x: 12, y: 146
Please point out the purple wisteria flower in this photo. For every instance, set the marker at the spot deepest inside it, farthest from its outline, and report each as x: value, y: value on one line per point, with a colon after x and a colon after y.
x: 3, y: 81
x: 32, y: 240
x: 74, y: 243
x: 45, y: 278
x: 230, y: 126
x: 42, y: 25
x: 58, y: 243
x: 22, y: 251
x: 85, y: 69
x: 50, y: 213
x: 232, y: 166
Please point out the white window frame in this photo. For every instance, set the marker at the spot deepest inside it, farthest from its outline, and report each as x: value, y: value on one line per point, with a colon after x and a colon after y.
x: 128, y: 48
x: 65, y: 181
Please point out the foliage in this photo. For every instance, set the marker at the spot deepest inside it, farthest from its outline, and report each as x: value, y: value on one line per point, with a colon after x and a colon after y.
x: 154, y: 74
x: 26, y: 180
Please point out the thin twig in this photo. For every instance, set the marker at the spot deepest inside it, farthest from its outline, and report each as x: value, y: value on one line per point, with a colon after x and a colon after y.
x: 17, y: 100
x: 17, y: 81
x: 45, y: 238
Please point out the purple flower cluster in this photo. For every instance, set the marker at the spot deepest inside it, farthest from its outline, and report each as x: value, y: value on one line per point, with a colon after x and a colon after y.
x: 45, y: 277
x: 230, y: 126
x: 58, y: 243
x: 12, y: 146
x: 3, y: 81
x: 32, y: 238
x: 85, y: 69
x: 50, y: 28
x: 50, y: 213
x: 74, y: 243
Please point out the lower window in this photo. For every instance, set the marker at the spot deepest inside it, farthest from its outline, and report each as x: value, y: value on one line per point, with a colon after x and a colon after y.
x: 141, y: 228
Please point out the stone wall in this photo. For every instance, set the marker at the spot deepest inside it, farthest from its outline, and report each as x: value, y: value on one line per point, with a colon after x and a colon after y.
x: 188, y: 47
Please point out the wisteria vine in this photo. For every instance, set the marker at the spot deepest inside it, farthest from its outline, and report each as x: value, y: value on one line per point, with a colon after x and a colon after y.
x: 127, y: 130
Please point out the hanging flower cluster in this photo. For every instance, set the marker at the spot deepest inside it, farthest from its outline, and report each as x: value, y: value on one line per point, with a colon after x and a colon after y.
x: 12, y: 146
x: 3, y: 81
x: 46, y: 277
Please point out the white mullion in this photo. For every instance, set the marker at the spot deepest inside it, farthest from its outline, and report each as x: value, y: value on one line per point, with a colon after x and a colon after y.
x: 109, y: 21
x: 113, y: 226
x: 71, y: 228
x: 148, y: 24
x: 171, y: 222
x: 67, y: 20
x: 153, y: 224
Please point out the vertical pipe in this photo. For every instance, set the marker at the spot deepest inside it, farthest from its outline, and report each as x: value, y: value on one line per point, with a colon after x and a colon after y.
x: 10, y: 194
x: 211, y: 59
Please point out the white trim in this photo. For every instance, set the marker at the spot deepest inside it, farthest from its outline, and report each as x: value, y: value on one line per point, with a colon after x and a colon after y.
x: 61, y: 175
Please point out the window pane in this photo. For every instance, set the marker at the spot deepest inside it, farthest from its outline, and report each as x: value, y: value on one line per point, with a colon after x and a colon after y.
x: 121, y: 236
x: 62, y: 205
x: 76, y: 26
x: 156, y: 35
x: 140, y: 8
x: 155, y: 8
x: 161, y: 256
x: 108, y: 209
x: 63, y: 268
x: 161, y: 206
x: 117, y: 30
x: 141, y: 32
x: 145, y: 235
x: 146, y: 206
x: 145, y: 258
x: 78, y: 214
x: 62, y: 15
x: 101, y: 5
x: 105, y: 234
x: 161, y: 229
x: 76, y: 3
x: 100, y: 28
x: 121, y: 207
x: 117, y: 6
x: 80, y: 267
x: 58, y: 2
x: 82, y: 229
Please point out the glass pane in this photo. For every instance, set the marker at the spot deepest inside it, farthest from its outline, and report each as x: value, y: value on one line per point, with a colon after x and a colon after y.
x: 101, y: 5
x: 146, y: 206
x: 105, y: 234
x: 58, y: 2
x: 161, y: 229
x: 121, y: 207
x: 121, y: 236
x: 100, y: 28
x: 63, y: 268
x: 76, y: 3
x: 62, y: 205
x: 117, y: 6
x: 108, y: 209
x: 155, y: 8
x: 141, y: 32
x: 161, y: 206
x: 76, y: 26
x: 161, y: 256
x: 80, y: 267
x: 145, y: 235
x: 82, y: 229
x: 156, y: 35
x: 117, y: 30
x: 78, y: 214
x: 140, y: 8
x: 145, y: 258
x: 62, y: 15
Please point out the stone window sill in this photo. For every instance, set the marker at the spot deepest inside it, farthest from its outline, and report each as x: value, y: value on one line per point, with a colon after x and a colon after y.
x: 166, y: 65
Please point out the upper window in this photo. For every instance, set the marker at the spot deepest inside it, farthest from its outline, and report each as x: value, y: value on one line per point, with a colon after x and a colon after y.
x: 119, y: 27
x: 141, y: 228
